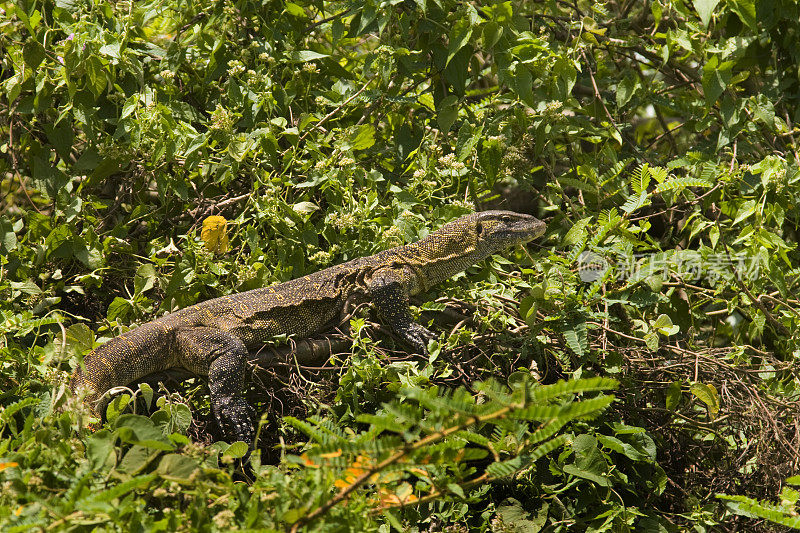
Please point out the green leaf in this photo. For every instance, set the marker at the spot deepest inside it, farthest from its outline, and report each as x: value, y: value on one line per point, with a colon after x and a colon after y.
x: 100, y: 449
x: 111, y: 50
x: 492, y: 32
x: 589, y: 462
x: 176, y: 467
x: 577, y: 233
x: 516, y: 519
x: 634, y: 202
x: 172, y: 418
x: 704, y: 9
x: 566, y: 76
x: 715, y: 79
x: 307, y: 55
x: 119, y: 308
x: 80, y: 338
x: 117, y: 406
x: 33, y: 53
x: 8, y: 237
x: 236, y: 450
x: 447, y: 112
x: 467, y: 140
x: 137, y: 459
x: 707, y: 393
x: 680, y: 184
x: 145, y: 278
x: 651, y: 340
x: 68, y: 5
x: 305, y: 208
x: 674, y: 395
x: 520, y: 80
x: 459, y: 35
x: 147, y: 394
x: 364, y: 137
x: 713, y: 236
x: 665, y: 326
x: 295, y: 10
x: 742, y: 505
x: 576, y: 337
x: 626, y: 89
x: 746, y: 209
x: 617, y: 445
x: 96, y: 74
x: 490, y: 157
x: 140, y: 430
x: 746, y: 9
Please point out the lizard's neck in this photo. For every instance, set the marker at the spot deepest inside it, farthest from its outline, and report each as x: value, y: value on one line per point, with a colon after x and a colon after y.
x: 437, y: 258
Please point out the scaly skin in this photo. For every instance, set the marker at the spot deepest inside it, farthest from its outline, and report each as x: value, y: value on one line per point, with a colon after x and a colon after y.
x: 213, y: 338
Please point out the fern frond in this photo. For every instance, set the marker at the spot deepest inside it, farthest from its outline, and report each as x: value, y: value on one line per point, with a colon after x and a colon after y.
x: 635, y: 202
x: 578, y: 184
x: 678, y: 184
x: 311, y: 431
x: 382, y: 422
x: 541, y: 393
x: 640, y: 179
x: 742, y: 505
x: 15, y: 407
x: 510, y: 467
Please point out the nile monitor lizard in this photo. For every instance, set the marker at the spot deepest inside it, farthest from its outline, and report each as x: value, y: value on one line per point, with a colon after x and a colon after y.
x: 213, y: 338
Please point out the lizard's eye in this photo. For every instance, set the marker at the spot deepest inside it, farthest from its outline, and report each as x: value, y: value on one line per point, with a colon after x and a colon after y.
x: 505, y: 218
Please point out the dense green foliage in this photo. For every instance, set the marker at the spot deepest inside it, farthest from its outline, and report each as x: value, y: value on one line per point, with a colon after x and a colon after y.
x: 657, y: 139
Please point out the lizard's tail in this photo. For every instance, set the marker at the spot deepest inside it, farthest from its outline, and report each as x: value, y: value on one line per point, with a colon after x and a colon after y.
x: 121, y: 361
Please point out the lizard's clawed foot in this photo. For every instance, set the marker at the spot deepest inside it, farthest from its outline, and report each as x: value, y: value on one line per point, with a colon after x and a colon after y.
x: 418, y: 336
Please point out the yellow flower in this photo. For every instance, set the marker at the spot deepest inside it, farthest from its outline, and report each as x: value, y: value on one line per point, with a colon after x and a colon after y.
x: 10, y: 464
x: 214, y: 234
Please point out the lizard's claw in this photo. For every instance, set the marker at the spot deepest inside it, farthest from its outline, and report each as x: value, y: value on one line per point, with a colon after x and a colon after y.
x: 418, y: 336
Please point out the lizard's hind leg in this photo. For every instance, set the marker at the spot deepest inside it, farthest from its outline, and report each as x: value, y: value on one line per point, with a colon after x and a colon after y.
x: 223, y: 358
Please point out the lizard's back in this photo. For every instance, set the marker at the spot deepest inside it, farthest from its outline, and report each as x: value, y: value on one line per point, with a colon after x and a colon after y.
x: 298, y: 307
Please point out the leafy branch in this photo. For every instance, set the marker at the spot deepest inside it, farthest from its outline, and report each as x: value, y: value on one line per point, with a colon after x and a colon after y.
x: 525, y: 402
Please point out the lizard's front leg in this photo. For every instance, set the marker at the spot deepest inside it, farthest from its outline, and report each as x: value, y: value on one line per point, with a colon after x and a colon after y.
x: 223, y: 358
x: 390, y: 296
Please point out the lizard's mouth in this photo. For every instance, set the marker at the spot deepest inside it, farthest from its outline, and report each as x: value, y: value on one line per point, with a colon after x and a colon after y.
x: 525, y: 230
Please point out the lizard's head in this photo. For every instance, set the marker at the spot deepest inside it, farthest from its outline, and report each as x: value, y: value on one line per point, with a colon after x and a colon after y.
x: 497, y: 230
x: 464, y: 242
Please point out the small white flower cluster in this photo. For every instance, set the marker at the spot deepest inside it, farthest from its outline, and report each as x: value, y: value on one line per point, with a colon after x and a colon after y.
x: 221, y: 119
x: 235, y: 67
x: 553, y: 107
x: 449, y: 162
x: 392, y: 236
x: 384, y: 51
x: 342, y: 221
x: 321, y: 257
x: 224, y: 519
